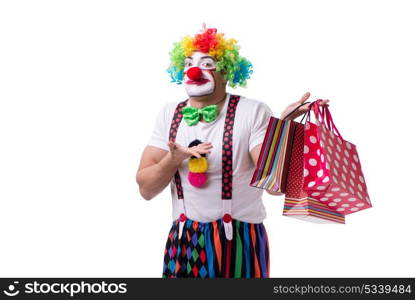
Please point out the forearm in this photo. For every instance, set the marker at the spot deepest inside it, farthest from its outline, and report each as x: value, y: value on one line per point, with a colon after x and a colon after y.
x: 152, y: 180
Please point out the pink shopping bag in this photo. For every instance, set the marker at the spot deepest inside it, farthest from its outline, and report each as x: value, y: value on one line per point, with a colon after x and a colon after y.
x: 298, y: 203
x: 332, y: 169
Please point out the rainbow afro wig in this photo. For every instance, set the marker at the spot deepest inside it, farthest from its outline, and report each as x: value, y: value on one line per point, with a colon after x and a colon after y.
x: 236, y: 69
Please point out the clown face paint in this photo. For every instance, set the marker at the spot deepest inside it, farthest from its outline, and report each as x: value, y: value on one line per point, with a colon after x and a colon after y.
x: 198, y: 78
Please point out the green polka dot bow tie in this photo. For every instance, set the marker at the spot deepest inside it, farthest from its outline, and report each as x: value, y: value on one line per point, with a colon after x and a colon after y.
x: 192, y: 114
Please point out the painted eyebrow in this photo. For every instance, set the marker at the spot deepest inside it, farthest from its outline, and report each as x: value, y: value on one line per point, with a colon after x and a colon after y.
x: 201, y: 57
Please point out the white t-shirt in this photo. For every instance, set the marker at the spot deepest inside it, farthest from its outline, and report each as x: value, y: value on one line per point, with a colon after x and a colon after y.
x: 205, y: 204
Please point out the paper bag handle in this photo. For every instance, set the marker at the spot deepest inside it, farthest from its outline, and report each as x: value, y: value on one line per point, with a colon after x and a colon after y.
x: 326, y: 118
x: 295, y: 109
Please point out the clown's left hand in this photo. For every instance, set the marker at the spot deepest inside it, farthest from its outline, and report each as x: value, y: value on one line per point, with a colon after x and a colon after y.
x: 301, y: 110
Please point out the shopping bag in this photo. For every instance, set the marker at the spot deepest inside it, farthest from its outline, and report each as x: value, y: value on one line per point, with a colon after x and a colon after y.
x: 272, y: 165
x: 316, y: 174
x: 298, y: 203
x: 332, y: 169
x: 271, y: 168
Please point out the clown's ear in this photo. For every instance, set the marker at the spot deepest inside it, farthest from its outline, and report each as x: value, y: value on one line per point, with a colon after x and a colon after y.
x: 225, y: 81
x: 223, y: 73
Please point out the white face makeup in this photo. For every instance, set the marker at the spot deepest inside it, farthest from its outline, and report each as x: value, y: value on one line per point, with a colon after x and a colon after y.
x: 205, y: 84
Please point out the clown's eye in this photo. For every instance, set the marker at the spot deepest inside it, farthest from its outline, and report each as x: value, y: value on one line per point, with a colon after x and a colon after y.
x: 208, y: 64
x: 187, y: 64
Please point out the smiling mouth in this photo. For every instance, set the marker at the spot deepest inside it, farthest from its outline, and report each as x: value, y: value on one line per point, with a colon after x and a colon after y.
x: 198, y: 82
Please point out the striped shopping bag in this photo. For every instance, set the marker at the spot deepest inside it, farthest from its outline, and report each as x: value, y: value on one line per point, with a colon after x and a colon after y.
x: 272, y: 164
x: 311, y: 210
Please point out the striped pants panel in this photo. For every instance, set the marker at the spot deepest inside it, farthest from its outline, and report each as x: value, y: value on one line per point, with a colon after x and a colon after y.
x: 204, y: 252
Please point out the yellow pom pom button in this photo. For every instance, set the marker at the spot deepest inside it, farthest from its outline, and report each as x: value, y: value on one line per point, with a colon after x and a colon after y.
x: 198, y: 165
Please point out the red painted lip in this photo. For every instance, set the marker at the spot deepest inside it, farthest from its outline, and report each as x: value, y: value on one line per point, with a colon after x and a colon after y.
x: 198, y: 82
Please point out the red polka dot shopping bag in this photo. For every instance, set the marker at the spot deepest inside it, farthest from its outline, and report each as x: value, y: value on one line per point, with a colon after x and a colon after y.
x: 332, y: 170
x: 298, y: 203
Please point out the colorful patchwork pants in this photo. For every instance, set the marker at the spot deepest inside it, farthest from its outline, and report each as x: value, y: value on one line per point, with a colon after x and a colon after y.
x: 203, y: 251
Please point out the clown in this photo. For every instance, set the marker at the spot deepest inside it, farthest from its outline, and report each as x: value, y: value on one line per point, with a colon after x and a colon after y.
x: 206, y: 147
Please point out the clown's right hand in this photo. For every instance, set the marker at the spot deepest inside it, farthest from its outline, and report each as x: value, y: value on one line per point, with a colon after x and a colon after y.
x: 181, y: 153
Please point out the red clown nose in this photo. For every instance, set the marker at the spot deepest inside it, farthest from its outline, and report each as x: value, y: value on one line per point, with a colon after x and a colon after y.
x: 194, y: 73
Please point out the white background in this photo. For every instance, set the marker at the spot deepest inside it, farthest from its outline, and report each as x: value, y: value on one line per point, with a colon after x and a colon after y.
x: 81, y: 83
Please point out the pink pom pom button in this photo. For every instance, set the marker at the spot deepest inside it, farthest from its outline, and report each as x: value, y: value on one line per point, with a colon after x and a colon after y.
x: 197, y: 179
